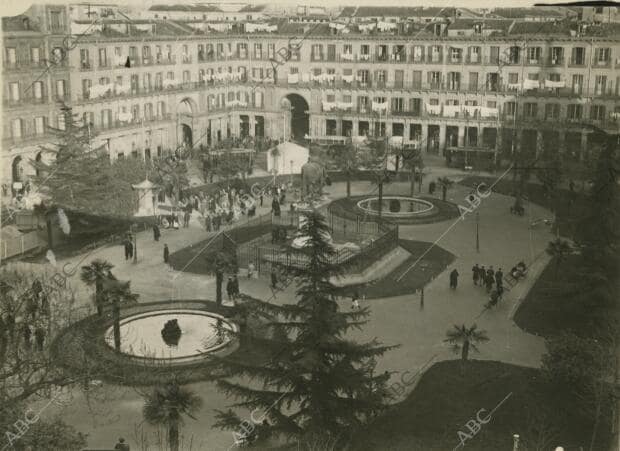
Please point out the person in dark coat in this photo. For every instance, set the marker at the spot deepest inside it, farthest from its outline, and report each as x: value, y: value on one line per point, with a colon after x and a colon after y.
x: 261, y: 199
x: 275, y: 206
x: 156, y: 232
x: 476, y: 273
x: 454, y: 278
x: 230, y: 289
x: 166, y: 253
x: 128, y: 248
x: 499, y: 278
x: 274, y: 279
x: 235, y: 287
x: 488, y: 281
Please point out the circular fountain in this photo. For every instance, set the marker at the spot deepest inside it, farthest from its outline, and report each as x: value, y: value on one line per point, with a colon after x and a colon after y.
x: 398, y: 207
x: 172, y: 336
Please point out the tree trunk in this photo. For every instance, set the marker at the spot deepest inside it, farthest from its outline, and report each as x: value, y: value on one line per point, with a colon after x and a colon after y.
x: 464, y: 356
x: 219, y: 280
x: 597, y: 417
x: 348, y: 185
x: 98, y: 302
x: 412, y: 187
x: 173, y: 436
x: 117, y: 324
x: 50, y: 235
x: 444, y: 192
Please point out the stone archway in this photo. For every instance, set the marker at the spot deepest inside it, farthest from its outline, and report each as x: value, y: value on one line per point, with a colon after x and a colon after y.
x: 186, y: 111
x: 17, y: 169
x: 299, y: 125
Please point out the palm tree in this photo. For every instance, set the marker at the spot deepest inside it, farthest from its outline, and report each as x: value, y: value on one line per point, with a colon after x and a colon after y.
x: 559, y: 249
x: 95, y: 274
x: 167, y: 405
x: 117, y: 292
x: 445, y: 184
x: 463, y: 339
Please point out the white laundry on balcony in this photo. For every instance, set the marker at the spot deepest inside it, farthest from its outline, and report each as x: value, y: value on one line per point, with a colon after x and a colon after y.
x: 451, y: 110
x: 348, y: 78
x: 121, y: 89
x: 125, y: 117
x: 364, y: 57
x: 470, y: 109
x: 120, y: 60
x: 554, y: 84
x: 433, y: 109
x: 514, y: 86
x: 329, y: 106
x: 345, y: 106
x: 386, y: 26
x: 346, y: 56
x: 305, y: 78
x: 293, y: 78
x: 376, y: 106
x: 531, y: 84
x: 488, y: 112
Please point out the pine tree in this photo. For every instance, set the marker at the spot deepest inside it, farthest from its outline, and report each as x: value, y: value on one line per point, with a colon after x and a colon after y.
x: 315, y: 380
x: 81, y: 178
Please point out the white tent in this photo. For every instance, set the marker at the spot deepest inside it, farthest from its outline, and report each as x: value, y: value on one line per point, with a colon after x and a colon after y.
x: 289, y: 158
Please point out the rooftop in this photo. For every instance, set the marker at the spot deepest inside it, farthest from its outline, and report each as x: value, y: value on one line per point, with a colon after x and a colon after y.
x: 488, y: 24
x: 19, y: 23
x: 395, y: 11
x: 522, y: 13
x: 189, y: 8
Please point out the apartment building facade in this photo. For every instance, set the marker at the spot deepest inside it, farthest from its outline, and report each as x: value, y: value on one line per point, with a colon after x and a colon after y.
x: 143, y: 93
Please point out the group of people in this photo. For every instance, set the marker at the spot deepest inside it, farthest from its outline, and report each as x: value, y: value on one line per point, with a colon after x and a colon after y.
x: 488, y: 277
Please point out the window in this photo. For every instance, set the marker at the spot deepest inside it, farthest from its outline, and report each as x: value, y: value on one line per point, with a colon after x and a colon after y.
x: 435, y: 54
x: 530, y: 110
x: 510, y: 108
x: 86, y: 85
x: 37, y: 89
x: 347, y: 49
x: 577, y: 84
x: 186, y: 76
x: 514, y: 55
x: 61, y: 121
x: 16, y: 128
x: 600, y: 82
x: 454, y: 80
x: 55, y: 20
x: 574, y: 111
x: 146, y: 54
x: 14, y: 91
x: 365, y: 49
x: 381, y: 77
x: 148, y: 112
x: 597, y: 112
x: 578, y: 56
x: 103, y: 60
x: 146, y: 81
x: 84, y: 59
x: 11, y: 59
x: 557, y: 55
x: 35, y: 55
x: 533, y: 55
x: 362, y: 103
x: 39, y: 125
x: 434, y: 79
x: 258, y: 51
x: 456, y: 55
x: 60, y: 89
x: 603, y: 56
x: 363, y: 76
x: 552, y: 111
x: 474, y: 54
x: 317, y: 52
x: 598, y: 10
x: 161, y: 109
x: 271, y: 51
x: 418, y: 53
x: 398, y: 104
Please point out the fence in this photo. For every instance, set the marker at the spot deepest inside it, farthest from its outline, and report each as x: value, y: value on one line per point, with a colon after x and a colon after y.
x: 21, y: 244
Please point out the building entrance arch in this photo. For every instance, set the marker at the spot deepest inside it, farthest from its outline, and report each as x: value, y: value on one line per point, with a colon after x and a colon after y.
x: 298, y: 111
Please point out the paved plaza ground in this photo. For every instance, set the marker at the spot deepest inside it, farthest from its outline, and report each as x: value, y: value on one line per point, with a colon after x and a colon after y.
x: 505, y: 239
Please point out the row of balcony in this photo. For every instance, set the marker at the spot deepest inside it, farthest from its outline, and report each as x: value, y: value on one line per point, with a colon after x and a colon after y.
x: 30, y: 65
x: 31, y: 100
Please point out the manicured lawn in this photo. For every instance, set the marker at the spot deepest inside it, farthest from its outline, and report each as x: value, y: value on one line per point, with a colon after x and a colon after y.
x: 432, y: 264
x: 549, y: 307
x: 443, y: 403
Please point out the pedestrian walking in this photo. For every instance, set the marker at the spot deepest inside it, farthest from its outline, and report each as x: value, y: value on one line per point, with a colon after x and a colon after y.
x: 236, y: 290
x: 454, y: 277
x: 499, y: 278
x: 275, y: 206
x: 127, y: 245
x: 208, y: 223
x: 166, y: 253
x: 261, y: 199
x: 186, y: 216
x: 230, y: 289
x: 482, y: 273
x: 156, y: 232
x: 488, y: 282
x: 251, y: 269
x: 476, y: 273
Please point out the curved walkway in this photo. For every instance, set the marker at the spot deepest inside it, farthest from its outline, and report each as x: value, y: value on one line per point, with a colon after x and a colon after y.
x: 504, y: 240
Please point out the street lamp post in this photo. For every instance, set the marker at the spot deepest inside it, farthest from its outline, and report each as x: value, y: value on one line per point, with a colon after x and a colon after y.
x: 135, y: 243
x: 477, y: 231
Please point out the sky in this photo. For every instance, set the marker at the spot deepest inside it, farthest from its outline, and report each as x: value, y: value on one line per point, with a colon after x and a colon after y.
x: 14, y: 7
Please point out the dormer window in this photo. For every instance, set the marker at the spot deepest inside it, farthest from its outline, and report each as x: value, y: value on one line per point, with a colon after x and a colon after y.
x: 478, y: 28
